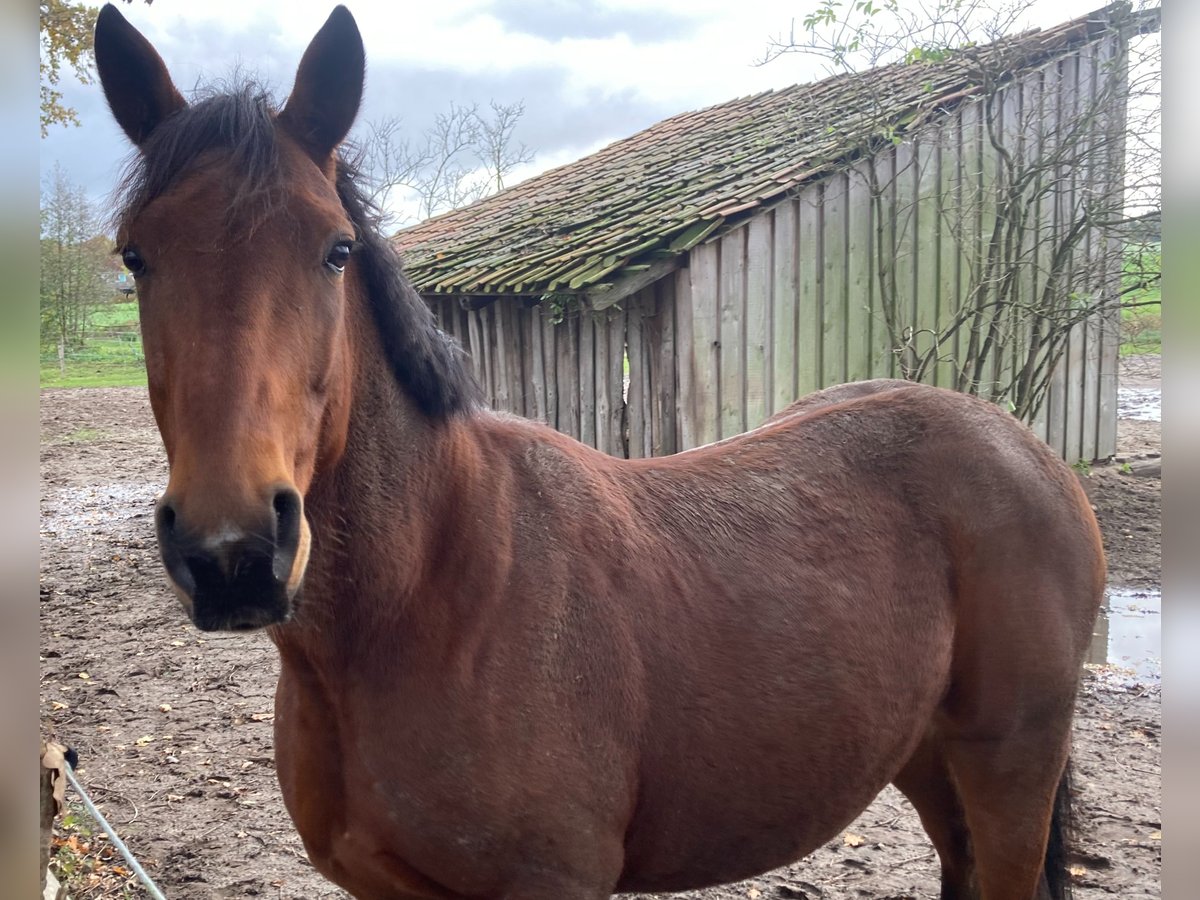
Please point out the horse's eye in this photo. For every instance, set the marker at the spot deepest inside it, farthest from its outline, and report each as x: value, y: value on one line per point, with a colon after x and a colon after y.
x: 133, y: 262
x: 339, y: 255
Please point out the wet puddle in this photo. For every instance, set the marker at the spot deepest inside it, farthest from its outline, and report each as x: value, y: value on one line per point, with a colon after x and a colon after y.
x: 1128, y: 636
x: 69, y: 512
x: 1140, y: 403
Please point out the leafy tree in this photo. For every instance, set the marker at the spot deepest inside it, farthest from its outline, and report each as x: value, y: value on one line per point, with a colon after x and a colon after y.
x: 76, y: 262
x: 66, y: 42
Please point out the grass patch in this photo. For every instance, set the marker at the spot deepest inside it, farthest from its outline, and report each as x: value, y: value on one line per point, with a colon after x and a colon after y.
x: 93, y: 374
x: 110, y: 357
x: 1141, y: 329
x: 84, y: 861
x: 85, y: 436
x: 115, y: 315
x: 1141, y: 302
x: 101, y: 362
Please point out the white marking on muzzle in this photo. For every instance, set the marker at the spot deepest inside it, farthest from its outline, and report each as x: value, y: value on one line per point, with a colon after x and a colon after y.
x: 300, y: 563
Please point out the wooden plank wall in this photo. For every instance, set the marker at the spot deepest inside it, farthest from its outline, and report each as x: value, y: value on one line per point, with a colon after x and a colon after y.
x: 794, y: 299
x: 570, y: 371
x: 788, y: 302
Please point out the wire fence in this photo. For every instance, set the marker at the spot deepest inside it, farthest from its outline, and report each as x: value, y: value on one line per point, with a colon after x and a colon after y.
x: 136, y: 867
x: 106, y: 356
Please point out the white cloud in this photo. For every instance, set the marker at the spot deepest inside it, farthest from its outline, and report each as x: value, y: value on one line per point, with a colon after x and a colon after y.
x: 611, y: 68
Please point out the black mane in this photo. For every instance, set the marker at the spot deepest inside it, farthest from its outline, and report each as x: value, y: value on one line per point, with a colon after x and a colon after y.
x: 240, y: 122
x: 429, y: 365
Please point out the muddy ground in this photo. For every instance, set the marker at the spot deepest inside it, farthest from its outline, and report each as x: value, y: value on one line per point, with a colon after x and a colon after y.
x: 174, y: 729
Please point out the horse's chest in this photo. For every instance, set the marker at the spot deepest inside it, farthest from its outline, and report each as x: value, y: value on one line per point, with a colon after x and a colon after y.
x: 391, y: 803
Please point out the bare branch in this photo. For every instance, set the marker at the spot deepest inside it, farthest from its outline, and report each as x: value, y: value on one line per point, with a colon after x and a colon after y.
x: 462, y: 157
x: 1053, y: 212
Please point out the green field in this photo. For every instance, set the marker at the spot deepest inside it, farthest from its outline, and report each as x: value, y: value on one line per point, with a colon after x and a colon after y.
x: 116, y: 315
x: 111, y: 357
x: 93, y: 374
x: 1141, y: 308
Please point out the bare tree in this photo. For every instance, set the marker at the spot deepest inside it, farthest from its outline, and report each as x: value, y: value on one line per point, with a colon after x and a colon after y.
x: 73, y: 262
x: 464, y: 156
x: 1048, y: 215
x: 499, y: 154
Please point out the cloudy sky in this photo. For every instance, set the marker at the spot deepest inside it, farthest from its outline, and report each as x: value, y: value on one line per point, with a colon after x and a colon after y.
x: 588, y: 71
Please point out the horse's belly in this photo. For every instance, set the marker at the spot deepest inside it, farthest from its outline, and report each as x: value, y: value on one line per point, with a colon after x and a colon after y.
x: 737, y: 841
x: 768, y: 791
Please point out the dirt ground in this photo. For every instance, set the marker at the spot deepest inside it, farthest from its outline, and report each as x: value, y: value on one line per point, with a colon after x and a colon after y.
x: 173, y: 728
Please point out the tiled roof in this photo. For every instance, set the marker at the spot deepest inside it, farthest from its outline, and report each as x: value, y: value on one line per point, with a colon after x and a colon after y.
x: 648, y: 198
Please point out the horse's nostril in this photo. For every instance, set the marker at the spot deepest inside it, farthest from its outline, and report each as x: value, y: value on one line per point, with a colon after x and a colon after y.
x: 289, y: 510
x: 169, y: 546
x: 286, y: 504
x: 166, y: 517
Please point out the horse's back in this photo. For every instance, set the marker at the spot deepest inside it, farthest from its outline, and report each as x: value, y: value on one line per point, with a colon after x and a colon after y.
x: 1026, y: 558
x: 1006, y: 502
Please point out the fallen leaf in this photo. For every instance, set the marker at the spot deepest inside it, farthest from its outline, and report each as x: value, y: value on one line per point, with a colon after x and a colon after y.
x: 144, y: 740
x: 853, y: 840
x: 1156, y: 835
x: 1077, y: 871
x: 164, y: 707
x: 261, y: 717
x: 85, y: 676
x: 57, y: 704
x: 54, y: 759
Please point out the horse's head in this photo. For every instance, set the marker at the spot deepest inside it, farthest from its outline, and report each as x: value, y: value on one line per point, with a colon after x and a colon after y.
x: 238, y: 242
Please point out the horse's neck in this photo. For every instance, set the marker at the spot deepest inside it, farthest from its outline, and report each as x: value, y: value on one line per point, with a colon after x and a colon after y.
x: 375, y: 516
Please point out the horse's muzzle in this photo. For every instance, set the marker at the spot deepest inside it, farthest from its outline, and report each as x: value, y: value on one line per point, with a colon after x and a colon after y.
x: 236, y: 579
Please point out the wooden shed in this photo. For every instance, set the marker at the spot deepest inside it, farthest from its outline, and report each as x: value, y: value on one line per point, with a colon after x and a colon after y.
x: 683, y: 284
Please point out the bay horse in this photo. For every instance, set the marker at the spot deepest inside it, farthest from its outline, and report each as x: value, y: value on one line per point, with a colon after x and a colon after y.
x: 515, y: 667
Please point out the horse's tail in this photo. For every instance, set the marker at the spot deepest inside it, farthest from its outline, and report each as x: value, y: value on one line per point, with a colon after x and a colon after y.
x: 1058, y: 848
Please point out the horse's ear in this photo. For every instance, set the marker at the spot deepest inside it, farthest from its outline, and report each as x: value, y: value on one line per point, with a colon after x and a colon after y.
x: 329, y: 86
x: 136, y: 83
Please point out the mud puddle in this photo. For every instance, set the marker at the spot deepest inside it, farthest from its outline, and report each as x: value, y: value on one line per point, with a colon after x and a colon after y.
x: 1144, y: 404
x: 1128, y: 635
x: 72, y: 511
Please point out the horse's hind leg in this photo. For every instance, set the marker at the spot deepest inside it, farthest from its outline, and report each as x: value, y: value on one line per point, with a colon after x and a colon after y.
x: 1008, y: 789
x: 1006, y: 724
x: 925, y: 780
